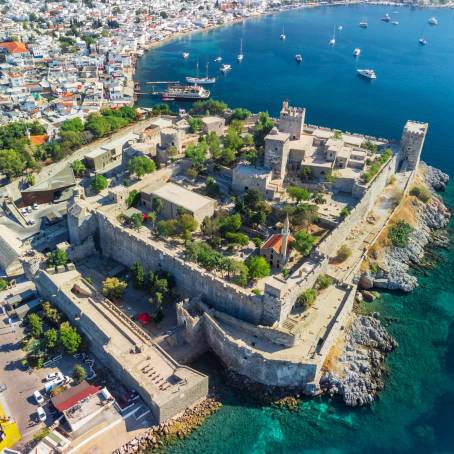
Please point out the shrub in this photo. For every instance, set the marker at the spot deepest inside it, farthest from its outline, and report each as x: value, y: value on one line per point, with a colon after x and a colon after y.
x: 112, y: 287
x: 58, y: 257
x: 421, y: 193
x: 374, y: 268
x: 307, y: 298
x: 79, y: 373
x: 3, y: 284
x: 298, y: 194
x: 343, y: 253
x: 324, y: 281
x: 257, y: 241
x: 399, y: 233
x: 303, y: 243
x: 285, y: 273
x: 51, y: 314
x: 256, y: 292
x: 345, y: 212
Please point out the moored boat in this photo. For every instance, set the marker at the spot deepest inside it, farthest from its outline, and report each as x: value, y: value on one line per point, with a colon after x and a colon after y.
x: 357, y: 52
x: 367, y: 73
x: 188, y: 92
x: 298, y: 58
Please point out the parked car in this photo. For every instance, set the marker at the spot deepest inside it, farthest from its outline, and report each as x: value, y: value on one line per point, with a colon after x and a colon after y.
x: 41, y: 414
x: 35, y: 206
x: 29, y: 209
x: 38, y: 397
x: 54, y: 376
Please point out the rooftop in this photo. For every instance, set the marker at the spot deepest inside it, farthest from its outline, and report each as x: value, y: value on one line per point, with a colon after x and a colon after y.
x: 180, y: 196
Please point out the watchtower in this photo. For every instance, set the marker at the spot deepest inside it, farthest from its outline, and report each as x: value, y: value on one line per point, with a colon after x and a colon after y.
x: 291, y: 120
x: 411, y: 143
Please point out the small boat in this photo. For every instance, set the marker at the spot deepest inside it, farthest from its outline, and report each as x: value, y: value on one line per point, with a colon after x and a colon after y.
x: 433, y: 21
x: 298, y: 58
x: 395, y: 22
x: 367, y: 73
x: 340, y: 28
x: 422, y: 41
x: 332, y: 41
x: 357, y: 52
x: 185, y: 55
x: 218, y: 59
x: 364, y: 24
x: 225, y: 68
x: 240, y: 56
x: 386, y: 18
x: 283, y: 35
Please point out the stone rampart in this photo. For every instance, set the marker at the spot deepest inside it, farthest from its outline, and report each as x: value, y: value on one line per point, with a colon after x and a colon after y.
x: 251, y: 363
x: 330, y: 244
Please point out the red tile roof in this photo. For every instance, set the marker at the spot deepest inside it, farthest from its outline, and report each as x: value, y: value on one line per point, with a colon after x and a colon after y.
x: 275, y: 242
x: 14, y: 47
x: 72, y: 396
x: 38, y: 139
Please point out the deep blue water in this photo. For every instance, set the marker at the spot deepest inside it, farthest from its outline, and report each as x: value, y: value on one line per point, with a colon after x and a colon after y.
x: 415, y: 411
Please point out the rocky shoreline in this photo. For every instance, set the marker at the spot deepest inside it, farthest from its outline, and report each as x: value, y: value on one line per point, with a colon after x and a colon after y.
x: 431, y: 220
x: 158, y: 437
x: 360, y: 365
x: 361, y: 361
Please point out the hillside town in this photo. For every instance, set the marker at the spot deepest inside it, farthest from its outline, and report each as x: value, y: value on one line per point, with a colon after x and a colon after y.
x: 135, y: 240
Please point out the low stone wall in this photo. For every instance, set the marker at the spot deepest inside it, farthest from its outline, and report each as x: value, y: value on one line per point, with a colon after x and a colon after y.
x: 246, y: 361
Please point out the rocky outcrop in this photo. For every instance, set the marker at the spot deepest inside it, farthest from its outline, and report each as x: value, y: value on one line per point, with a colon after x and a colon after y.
x: 435, y: 178
x: 362, y: 361
x: 158, y: 437
x: 431, y: 219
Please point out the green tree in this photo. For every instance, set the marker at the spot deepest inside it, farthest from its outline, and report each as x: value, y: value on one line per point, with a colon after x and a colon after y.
x: 141, y: 165
x: 12, y: 164
x: 186, y: 223
x: 137, y: 220
x: 195, y: 124
x: 208, y: 107
x: 79, y: 373
x: 69, y: 338
x: 197, y: 154
x: 36, y: 325
x: 258, y: 267
x: 167, y: 228
x: 240, y: 114
x: 51, y: 339
x: 138, y: 274
x: 211, y: 187
x: 237, y: 238
x: 214, y: 145
x: 157, y: 204
x: 228, y: 156
x: 57, y: 257
x: 75, y: 124
x: 231, y: 223
x: 239, y: 272
x: 298, y: 194
x: 233, y: 140
x: 112, y: 287
x: 304, y: 242
x: 51, y: 314
x: 78, y: 168
x: 133, y: 198
x: 262, y: 128
x: 30, y: 179
x: 99, y: 183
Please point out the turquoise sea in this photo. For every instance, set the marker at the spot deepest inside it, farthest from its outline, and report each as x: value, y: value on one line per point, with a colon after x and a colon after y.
x: 415, y: 412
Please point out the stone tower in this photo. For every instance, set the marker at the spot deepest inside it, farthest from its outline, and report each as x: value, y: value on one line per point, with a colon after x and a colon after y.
x: 291, y: 120
x: 411, y: 144
x: 277, y: 148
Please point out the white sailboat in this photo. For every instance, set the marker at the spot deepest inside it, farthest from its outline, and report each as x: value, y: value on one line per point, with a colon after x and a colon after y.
x: 240, y: 56
x: 332, y: 41
x: 283, y: 35
x: 201, y: 80
x: 357, y: 52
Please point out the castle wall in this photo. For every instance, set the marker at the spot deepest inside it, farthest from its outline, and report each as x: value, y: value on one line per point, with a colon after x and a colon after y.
x: 128, y: 247
x: 251, y: 363
x: 368, y: 196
